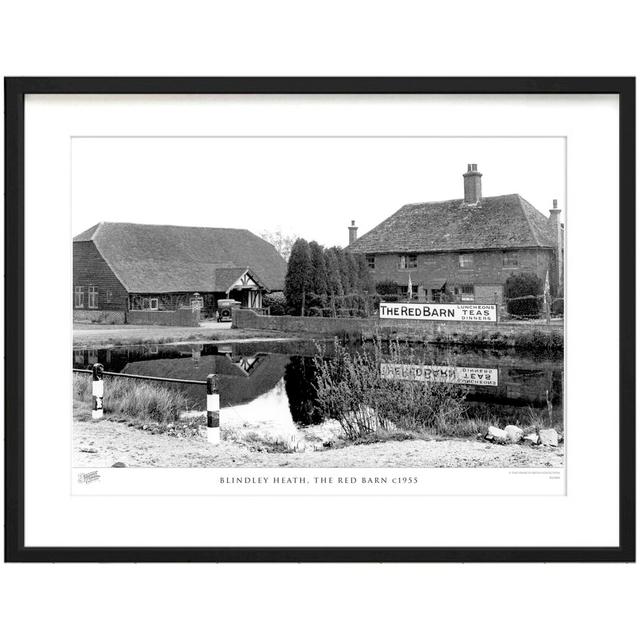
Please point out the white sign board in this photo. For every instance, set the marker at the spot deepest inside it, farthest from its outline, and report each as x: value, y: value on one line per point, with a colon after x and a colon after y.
x: 440, y: 373
x: 440, y: 312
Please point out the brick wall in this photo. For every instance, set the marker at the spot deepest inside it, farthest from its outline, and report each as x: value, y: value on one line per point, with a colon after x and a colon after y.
x: 178, y: 318
x: 90, y: 268
x: 103, y: 317
x: 487, y: 269
x: 247, y: 319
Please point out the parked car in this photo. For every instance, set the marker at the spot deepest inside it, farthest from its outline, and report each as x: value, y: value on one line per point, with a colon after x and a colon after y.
x: 225, y: 307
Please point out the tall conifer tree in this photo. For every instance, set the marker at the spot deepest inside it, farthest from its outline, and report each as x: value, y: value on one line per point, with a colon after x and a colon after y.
x: 297, y: 282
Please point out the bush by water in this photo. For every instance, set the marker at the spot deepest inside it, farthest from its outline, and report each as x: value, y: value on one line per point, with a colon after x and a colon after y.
x: 352, y: 391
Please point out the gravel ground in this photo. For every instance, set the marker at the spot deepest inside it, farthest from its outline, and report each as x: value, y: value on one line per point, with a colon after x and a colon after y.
x: 103, y: 443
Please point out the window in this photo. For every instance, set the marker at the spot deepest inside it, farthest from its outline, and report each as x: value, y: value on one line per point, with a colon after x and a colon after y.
x: 403, y: 291
x: 466, y: 293
x: 466, y: 260
x: 437, y: 295
x: 78, y: 298
x: 408, y: 261
x: 371, y: 262
x: 93, y: 296
x: 509, y: 259
x: 150, y: 304
x: 109, y: 295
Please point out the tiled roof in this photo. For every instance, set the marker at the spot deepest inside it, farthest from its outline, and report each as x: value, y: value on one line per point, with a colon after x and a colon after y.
x: 499, y: 222
x: 165, y: 259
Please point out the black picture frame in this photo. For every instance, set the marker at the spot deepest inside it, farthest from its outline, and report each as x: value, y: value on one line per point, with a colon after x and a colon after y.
x: 15, y: 91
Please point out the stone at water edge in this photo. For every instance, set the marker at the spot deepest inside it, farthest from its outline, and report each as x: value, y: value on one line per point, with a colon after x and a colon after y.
x: 514, y: 434
x: 549, y: 437
x: 498, y: 435
x: 531, y: 438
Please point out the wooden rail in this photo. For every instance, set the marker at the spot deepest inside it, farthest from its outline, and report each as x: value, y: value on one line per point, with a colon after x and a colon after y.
x: 131, y: 375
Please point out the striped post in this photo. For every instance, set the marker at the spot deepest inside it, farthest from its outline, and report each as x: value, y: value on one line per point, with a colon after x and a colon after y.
x: 213, y: 409
x: 97, y: 391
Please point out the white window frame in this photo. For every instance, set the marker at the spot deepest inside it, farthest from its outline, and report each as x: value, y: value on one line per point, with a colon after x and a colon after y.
x: 466, y: 296
x: 465, y: 260
x: 404, y: 260
x: 148, y: 304
x: 78, y: 294
x: 510, y: 259
x: 92, y: 296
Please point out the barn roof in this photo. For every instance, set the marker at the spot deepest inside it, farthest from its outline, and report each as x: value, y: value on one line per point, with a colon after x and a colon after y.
x: 499, y: 222
x: 163, y: 259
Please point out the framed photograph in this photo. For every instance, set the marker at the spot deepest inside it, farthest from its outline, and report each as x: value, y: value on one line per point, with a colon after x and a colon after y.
x: 320, y: 319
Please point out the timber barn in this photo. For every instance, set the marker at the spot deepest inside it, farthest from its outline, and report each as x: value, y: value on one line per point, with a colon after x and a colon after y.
x: 119, y: 268
x: 464, y: 250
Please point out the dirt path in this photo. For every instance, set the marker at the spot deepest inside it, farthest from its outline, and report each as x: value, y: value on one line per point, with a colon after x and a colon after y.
x: 101, y: 444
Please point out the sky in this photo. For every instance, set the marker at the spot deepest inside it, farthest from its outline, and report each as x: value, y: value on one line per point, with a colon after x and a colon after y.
x: 303, y: 186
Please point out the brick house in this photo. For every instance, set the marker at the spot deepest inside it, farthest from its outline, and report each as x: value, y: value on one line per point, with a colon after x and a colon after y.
x: 464, y: 250
x: 122, y: 267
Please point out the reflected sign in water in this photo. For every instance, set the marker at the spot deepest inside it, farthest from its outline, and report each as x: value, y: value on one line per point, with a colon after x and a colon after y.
x: 477, y: 376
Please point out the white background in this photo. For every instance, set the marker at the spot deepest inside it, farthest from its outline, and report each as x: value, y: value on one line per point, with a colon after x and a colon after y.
x: 291, y: 38
x: 586, y: 516
x: 308, y: 187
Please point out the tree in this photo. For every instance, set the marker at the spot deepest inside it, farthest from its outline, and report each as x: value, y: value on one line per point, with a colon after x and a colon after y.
x: 526, y: 288
x: 318, y: 285
x: 334, y: 280
x: 298, y: 278
x: 282, y: 242
x: 365, y: 279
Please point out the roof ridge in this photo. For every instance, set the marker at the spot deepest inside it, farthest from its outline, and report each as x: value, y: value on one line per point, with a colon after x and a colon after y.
x: 175, y: 226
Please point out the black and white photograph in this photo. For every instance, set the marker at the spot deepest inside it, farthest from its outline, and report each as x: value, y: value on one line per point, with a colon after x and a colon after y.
x: 359, y: 310
x: 318, y: 302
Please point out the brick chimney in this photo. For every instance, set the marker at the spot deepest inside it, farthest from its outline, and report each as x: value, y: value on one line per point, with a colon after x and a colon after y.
x: 472, y: 185
x: 353, y: 232
x: 557, y: 235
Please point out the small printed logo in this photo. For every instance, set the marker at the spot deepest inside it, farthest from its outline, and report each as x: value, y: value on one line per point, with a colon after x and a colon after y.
x: 86, y: 478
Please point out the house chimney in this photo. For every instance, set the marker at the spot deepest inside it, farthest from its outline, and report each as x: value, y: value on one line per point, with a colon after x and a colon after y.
x: 353, y: 232
x: 472, y: 185
x: 557, y: 235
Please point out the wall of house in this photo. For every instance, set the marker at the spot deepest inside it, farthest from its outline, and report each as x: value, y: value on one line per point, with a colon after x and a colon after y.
x: 90, y: 269
x: 488, y: 269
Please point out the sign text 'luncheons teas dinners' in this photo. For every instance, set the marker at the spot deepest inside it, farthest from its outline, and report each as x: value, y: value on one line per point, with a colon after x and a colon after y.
x: 429, y: 311
x: 440, y: 373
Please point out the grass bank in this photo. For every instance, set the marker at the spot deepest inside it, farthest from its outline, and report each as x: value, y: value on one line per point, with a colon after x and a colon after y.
x: 135, y: 399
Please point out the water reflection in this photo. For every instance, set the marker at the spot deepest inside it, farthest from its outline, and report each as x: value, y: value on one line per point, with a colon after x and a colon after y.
x: 276, y: 380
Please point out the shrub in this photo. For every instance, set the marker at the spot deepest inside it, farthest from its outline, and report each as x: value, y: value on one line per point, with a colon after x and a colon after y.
x: 352, y: 391
x: 557, y: 307
x: 388, y: 290
x: 523, y: 294
x: 539, y: 342
x: 276, y: 303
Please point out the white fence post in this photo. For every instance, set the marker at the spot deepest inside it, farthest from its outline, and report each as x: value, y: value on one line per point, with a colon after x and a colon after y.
x: 97, y: 391
x: 213, y: 409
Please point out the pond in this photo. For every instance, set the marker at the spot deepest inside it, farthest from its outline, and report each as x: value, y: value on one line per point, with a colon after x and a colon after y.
x: 272, y: 383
